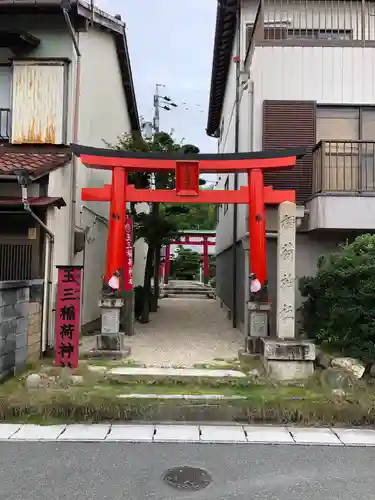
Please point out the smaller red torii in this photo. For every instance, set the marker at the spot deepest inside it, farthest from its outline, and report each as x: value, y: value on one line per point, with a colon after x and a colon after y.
x: 187, y: 168
x: 202, y: 240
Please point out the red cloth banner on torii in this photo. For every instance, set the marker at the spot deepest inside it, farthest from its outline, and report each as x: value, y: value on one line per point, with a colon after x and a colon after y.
x: 128, y: 264
x: 187, y: 168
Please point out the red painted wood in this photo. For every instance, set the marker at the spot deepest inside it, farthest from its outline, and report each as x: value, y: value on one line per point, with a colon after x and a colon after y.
x: 200, y: 242
x: 128, y: 258
x: 257, y: 225
x: 187, y: 191
x: 116, y: 229
x: 187, y: 178
x: 205, y: 260
x: 271, y: 196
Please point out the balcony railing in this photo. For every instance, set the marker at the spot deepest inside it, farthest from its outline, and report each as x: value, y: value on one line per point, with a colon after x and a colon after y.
x: 320, y: 23
x: 5, y: 124
x: 344, y: 166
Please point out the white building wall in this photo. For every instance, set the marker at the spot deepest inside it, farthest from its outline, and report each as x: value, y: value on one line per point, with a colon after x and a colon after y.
x: 328, y: 75
x: 224, y: 236
x: 103, y: 116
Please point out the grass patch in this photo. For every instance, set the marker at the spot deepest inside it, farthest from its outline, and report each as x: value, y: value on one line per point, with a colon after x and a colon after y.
x: 101, y: 406
x: 96, y: 400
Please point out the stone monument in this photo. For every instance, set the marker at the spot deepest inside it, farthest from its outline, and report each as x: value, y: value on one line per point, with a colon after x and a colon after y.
x: 110, y: 341
x: 286, y: 358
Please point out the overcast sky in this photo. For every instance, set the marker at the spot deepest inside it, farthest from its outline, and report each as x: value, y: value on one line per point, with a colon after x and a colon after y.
x: 171, y: 43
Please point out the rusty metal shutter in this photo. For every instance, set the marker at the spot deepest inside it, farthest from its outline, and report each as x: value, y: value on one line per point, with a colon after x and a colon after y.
x: 290, y: 124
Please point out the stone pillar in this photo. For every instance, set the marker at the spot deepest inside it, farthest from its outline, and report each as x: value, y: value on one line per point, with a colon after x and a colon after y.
x: 287, y: 358
x: 286, y: 271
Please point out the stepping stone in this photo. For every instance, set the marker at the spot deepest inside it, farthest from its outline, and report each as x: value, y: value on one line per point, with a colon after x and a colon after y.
x: 189, y: 397
x: 127, y: 372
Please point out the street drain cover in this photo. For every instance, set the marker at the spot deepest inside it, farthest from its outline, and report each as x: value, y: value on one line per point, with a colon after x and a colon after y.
x: 187, y: 478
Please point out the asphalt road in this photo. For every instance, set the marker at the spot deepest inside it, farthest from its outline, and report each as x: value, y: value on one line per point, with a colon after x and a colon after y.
x: 114, y: 471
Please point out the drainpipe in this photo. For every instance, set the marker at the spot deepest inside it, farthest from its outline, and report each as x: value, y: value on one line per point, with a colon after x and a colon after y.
x: 50, y: 238
x: 236, y: 150
x: 73, y: 177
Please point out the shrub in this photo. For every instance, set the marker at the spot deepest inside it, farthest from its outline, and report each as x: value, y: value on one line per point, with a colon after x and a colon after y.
x: 339, y: 311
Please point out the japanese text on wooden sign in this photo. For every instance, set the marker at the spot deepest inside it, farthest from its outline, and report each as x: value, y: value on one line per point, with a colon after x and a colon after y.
x: 128, y: 265
x: 68, y: 315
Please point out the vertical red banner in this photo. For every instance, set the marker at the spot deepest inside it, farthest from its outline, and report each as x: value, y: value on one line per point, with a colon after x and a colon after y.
x: 68, y: 315
x: 128, y: 265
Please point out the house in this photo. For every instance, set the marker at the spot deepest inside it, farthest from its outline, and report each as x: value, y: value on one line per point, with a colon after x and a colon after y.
x: 306, y: 79
x: 65, y: 76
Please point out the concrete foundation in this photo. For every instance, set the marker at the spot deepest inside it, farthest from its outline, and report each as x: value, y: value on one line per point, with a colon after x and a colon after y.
x: 288, y: 359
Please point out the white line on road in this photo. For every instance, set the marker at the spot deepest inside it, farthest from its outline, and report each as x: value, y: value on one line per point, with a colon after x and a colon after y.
x: 188, y: 433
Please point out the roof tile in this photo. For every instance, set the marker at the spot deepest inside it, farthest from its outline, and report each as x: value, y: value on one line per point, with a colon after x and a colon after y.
x: 37, y: 161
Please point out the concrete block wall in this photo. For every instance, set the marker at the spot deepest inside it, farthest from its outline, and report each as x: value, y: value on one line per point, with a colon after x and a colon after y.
x: 20, y: 324
x: 14, y: 323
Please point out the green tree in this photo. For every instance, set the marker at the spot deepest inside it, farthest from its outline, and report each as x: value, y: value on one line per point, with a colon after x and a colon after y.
x: 198, y: 216
x: 186, y: 264
x: 161, y: 224
x: 339, y: 309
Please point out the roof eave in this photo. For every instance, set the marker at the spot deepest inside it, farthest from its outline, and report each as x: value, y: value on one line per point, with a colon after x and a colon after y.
x: 127, y: 80
x: 223, y: 44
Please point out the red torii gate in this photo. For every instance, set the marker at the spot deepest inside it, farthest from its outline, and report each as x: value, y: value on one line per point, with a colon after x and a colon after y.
x: 202, y: 240
x: 187, y: 169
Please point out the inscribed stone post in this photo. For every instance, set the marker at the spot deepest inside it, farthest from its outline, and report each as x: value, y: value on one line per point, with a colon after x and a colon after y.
x: 286, y: 274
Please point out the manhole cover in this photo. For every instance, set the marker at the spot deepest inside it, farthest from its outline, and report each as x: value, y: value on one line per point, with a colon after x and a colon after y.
x: 187, y: 478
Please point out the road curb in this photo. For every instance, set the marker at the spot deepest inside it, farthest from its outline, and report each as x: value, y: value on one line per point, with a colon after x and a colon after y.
x: 188, y: 433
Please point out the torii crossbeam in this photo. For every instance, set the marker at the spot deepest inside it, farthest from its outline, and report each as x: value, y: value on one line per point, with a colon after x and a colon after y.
x: 187, y: 169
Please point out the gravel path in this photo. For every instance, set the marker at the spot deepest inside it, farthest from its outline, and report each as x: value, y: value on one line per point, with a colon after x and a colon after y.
x: 185, y: 332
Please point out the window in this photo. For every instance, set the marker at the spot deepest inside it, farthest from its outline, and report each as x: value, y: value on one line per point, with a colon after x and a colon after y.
x: 349, y: 155
x: 326, y: 34
x: 5, y: 101
x: 226, y: 187
x: 280, y: 30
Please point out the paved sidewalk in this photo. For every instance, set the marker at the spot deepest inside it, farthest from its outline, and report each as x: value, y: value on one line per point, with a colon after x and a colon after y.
x: 185, y: 433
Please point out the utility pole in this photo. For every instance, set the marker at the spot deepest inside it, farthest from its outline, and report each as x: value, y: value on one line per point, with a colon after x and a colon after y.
x: 156, y: 121
x: 163, y: 102
x: 166, y: 103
